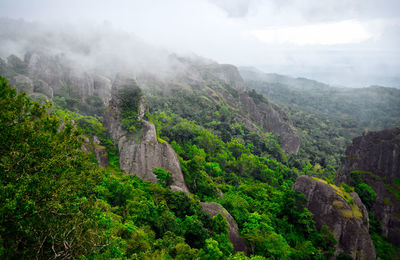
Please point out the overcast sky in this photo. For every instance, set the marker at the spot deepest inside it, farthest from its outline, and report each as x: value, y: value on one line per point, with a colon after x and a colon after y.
x: 347, y: 42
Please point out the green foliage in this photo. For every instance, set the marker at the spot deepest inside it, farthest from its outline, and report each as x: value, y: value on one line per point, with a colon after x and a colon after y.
x: 257, y: 188
x: 129, y: 103
x: 344, y: 256
x: 47, y: 197
x: 56, y: 202
x: 164, y: 177
x: 367, y: 194
x: 91, y: 126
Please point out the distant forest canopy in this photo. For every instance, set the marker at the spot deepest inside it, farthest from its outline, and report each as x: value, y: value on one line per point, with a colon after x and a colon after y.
x: 327, y: 117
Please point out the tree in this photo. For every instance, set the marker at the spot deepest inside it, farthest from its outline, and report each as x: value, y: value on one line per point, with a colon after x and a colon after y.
x: 47, y: 203
x: 164, y: 177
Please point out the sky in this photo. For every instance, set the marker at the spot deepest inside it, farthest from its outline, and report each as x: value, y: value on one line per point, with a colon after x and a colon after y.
x: 341, y: 42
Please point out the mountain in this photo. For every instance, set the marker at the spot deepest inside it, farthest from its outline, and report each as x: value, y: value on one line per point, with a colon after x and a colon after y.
x: 147, y: 154
x: 327, y: 117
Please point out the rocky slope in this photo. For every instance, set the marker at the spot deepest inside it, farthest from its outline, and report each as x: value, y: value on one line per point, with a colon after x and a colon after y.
x: 344, y: 214
x: 221, y: 85
x: 376, y: 158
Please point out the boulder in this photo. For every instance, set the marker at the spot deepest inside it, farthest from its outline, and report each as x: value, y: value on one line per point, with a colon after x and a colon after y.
x: 214, y: 209
x: 343, y: 213
x: 141, y: 152
x: 376, y: 157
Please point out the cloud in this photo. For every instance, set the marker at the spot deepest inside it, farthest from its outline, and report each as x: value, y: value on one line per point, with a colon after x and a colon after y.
x: 344, y: 32
x: 234, y: 8
x: 286, y: 36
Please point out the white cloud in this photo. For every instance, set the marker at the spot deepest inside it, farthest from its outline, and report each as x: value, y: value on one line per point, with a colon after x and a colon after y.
x: 343, y: 32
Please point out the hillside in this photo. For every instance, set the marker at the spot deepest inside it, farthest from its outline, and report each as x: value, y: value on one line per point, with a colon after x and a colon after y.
x: 327, y: 117
x: 131, y: 218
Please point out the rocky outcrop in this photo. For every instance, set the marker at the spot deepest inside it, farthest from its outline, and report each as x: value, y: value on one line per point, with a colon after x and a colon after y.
x: 228, y: 74
x: 102, y: 88
x: 43, y: 88
x: 343, y: 213
x: 44, y: 67
x: 272, y: 118
x: 59, y: 73
x: 214, y: 209
x: 99, y: 151
x: 23, y: 83
x: 141, y: 152
x: 376, y: 155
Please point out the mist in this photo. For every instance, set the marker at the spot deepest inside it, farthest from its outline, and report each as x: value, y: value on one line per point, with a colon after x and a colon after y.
x: 338, y: 42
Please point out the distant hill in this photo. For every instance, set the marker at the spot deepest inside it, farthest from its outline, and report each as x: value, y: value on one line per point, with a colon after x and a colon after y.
x: 328, y: 117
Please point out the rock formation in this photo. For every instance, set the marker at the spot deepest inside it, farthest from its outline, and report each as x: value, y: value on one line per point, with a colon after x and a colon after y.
x: 23, y: 83
x: 141, y: 152
x: 214, y: 209
x: 343, y: 213
x: 98, y: 150
x: 376, y: 155
x: 272, y: 118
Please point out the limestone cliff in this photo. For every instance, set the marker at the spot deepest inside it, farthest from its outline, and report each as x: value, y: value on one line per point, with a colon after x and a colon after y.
x: 141, y: 152
x: 343, y: 213
x: 214, y: 209
x: 376, y: 157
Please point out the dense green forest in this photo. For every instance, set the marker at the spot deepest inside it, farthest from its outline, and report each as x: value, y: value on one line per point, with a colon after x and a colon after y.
x: 57, y: 203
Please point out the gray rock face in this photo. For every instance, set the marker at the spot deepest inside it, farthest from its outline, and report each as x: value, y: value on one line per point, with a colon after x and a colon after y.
x: 44, y: 67
x: 225, y: 73
x: 57, y: 71
x: 141, y: 153
x: 83, y: 84
x: 272, y: 119
x: 43, y: 88
x: 98, y: 150
x: 23, y: 83
x: 348, y: 221
x: 214, y: 209
x: 102, y: 87
x: 378, y: 153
